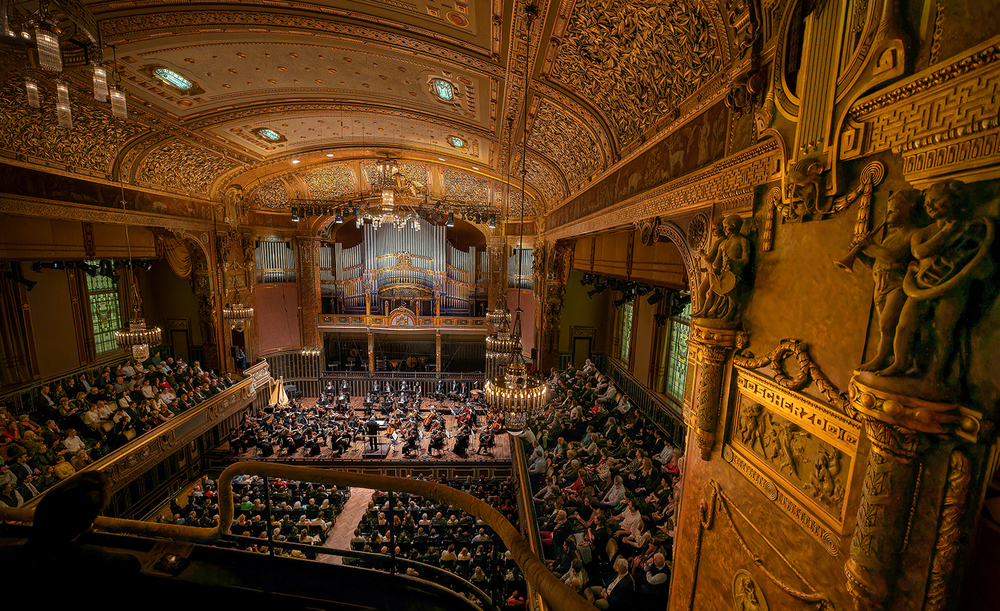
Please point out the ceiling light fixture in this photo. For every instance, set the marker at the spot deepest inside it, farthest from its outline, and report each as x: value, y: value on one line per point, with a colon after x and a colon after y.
x: 517, y: 393
x: 100, y: 83
x: 294, y: 161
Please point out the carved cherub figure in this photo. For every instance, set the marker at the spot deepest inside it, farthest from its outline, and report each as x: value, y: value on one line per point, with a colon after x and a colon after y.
x: 950, y: 253
x: 727, y: 259
x: 889, y: 260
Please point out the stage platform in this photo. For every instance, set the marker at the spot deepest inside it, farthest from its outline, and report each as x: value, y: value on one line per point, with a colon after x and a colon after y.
x: 359, y: 449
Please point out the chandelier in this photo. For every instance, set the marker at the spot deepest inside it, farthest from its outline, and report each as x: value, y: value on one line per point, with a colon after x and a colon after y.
x: 383, y: 210
x: 137, y: 337
x: 514, y: 391
x: 238, y: 315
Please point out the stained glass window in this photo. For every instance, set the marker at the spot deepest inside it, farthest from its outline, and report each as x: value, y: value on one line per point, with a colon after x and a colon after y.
x: 105, y: 311
x: 456, y: 142
x: 444, y: 90
x: 626, y: 332
x: 172, y: 78
x: 269, y: 134
x: 675, y: 354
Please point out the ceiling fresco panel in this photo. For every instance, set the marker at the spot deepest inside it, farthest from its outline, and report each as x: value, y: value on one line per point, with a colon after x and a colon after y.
x: 564, y: 139
x: 179, y: 166
x: 247, y: 69
x: 89, y: 147
x: 637, y: 59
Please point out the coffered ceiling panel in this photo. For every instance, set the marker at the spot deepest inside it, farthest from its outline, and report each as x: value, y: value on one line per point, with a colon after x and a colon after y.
x: 247, y: 69
x: 281, y: 131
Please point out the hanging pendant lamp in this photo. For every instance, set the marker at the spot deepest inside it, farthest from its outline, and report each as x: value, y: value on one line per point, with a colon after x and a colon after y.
x: 514, y: 391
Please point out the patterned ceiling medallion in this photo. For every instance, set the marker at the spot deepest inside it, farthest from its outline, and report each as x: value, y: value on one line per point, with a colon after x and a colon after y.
x: 170, y: 77
x: 444, y: 90
x: 269, y: 134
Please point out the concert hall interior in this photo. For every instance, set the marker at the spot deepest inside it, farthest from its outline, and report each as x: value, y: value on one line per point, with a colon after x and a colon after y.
x: 644, y: 305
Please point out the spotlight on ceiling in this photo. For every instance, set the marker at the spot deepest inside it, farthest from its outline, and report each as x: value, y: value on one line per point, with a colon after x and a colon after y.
x: 620, y: 302
x: 295, y: 215
x: 493, y: 221
x: 655, y: 298
x: 451, y: 220
x: 339, y: 219
x: 294, y: 161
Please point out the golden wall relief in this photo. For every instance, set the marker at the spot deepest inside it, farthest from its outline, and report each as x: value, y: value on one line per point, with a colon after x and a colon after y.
x: 807, y: 449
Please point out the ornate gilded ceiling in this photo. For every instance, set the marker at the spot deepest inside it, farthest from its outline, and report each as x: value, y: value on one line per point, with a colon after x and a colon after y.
x: 294, y: 99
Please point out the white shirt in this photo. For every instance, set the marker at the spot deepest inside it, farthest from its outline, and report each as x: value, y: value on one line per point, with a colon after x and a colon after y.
x: 73, y: 444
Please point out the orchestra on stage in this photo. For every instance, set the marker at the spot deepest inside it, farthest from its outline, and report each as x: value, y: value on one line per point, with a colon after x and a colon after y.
x: 393, y: 416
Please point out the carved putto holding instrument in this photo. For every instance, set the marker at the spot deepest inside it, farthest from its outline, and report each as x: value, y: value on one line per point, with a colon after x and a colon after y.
x: 925, y: 278
x: 721, y: 291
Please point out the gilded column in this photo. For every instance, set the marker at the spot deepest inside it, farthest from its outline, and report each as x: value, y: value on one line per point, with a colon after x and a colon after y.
x: 887, y: 497
x: 309, y: 286
x: 371, y: 351
x: 496, y: 257
x: 437, y: 351
x: 901, y: 428
x: 708, y: 350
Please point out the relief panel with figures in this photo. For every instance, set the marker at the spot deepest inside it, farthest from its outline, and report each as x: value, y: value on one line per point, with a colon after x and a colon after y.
x: 808, y: 449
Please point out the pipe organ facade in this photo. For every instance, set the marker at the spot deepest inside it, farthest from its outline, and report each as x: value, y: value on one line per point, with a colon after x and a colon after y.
x: 415, y: 268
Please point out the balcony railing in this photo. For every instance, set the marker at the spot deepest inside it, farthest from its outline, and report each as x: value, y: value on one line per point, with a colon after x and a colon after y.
x: 360, y: 321
x: 133, y: 459
x: 556, y: 594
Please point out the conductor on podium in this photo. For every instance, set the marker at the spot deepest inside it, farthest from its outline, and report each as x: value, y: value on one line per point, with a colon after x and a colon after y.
x: 372, y: 428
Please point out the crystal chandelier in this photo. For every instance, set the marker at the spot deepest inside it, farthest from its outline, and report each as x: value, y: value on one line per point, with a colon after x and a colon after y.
x: 514, y: 391
x: 137, y: 337
x: 500, y: 345
x: 238, y: 315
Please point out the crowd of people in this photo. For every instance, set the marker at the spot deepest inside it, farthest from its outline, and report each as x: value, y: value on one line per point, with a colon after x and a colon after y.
x: 300, y: 512
x: 439, y: 535
x: 606, y: 489
x: 76, y: 422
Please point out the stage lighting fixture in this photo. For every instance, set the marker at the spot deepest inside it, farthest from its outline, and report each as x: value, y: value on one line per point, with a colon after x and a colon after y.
x: 642, y: 290
x: 15, y: 274
x: 451, y: 220
x: 493, y: 221
x: 661, y: 319
x: 655, y: 298
x: 89, y: 268
x: 107, y: 269
x: 339, y: 219
x: 295, y: 215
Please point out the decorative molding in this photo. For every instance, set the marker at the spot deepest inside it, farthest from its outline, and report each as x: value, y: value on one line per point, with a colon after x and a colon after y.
x: 729, y: 178
x: 943, y: 121
x: 47, y: 208
x: 788, y: 505
x: 141, y: 27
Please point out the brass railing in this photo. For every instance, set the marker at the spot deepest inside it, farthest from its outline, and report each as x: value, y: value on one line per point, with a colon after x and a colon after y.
x: 526, y: 512
x: 556, y: 594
